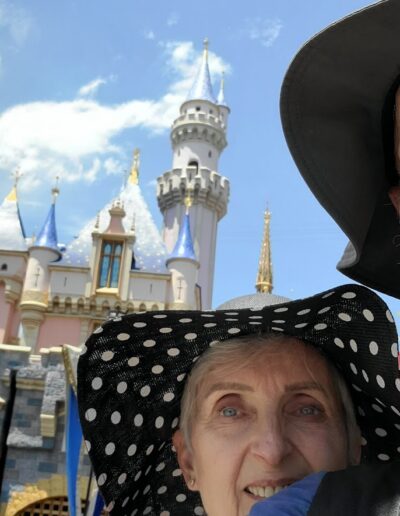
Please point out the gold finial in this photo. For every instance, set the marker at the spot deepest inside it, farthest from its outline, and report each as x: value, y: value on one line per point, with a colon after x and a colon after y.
x: 134, y: 175
x: 264, y: 276
x: 133, y: 223
x: 55, y: 191
x: 97, y: 223
x: 12, y: 196
x: 205, y: 47
x: 188, y: 201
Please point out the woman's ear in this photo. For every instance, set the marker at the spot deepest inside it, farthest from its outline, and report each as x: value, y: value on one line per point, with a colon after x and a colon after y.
x: 185, y: 459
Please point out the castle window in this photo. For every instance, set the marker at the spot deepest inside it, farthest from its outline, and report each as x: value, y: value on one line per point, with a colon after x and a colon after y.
x: 4, y: 267
x: 209, y: 154
x: 198, y: 108
x: 110, y: 264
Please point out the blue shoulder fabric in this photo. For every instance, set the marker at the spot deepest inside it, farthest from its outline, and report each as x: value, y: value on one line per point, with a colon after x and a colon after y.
x: 295, y: 500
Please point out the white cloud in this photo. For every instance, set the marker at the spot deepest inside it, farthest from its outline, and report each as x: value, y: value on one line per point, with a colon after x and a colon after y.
x: 77, y: 139
x: 149, y: 34
x: 16, y: 21
x: 266, y: 31
x: 172, y: 19
x: 91, y: 87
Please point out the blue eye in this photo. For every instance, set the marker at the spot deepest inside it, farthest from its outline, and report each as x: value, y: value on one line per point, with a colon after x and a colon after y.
x: 229, y: 412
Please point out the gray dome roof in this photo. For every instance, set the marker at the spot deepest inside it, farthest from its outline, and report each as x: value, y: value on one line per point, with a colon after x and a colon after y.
x: 256, y: 300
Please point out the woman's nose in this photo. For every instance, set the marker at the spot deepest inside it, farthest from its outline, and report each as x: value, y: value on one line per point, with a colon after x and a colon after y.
x: 270, y: 444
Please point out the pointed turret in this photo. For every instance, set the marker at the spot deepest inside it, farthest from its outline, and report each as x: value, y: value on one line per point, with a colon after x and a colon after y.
x: 264, y: 276
x: 183, y: 266
x: 184, y: 244
x: 221, y: 95
x: 47, y: 236
x: 202, y: 87
x: 12, y: 234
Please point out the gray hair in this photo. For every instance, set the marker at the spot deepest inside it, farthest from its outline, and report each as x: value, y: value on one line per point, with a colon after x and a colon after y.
x: 238, y: 353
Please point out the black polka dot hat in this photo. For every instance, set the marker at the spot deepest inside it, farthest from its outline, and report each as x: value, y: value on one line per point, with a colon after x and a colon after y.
x: 132, y: 372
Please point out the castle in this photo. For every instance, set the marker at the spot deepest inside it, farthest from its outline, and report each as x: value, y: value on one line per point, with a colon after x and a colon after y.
x: 51, y: 295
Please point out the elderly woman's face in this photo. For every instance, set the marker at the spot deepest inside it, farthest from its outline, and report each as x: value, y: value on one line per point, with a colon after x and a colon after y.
x: 263, y: 427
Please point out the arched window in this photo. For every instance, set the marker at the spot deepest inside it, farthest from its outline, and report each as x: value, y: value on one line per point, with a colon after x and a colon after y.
x: 110, y: 264
x: 4, y: 267
x: 193, y: 163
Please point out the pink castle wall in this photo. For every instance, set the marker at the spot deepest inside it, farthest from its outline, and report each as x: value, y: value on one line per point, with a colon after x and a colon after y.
x: 56, y: 331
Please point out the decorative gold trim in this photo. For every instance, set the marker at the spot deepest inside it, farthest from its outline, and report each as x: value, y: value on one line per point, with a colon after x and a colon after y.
x: 34, y: 297
x: 264, y: 282
x: 67, y: 351
x: 47, y: 425
x: 149, y: 275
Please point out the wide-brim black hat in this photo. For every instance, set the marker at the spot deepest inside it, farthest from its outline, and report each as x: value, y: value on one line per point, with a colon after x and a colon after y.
x: 132, y: 372
x: 337, y: 103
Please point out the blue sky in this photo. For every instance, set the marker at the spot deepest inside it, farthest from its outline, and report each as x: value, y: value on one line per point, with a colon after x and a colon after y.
x: 84, y: 82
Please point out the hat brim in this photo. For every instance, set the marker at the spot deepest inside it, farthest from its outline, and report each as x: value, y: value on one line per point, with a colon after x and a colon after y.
x: 131, y: 378
x: 337, y: 103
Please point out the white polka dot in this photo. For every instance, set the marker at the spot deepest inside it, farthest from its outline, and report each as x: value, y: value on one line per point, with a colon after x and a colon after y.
x: 97, y: 383
x: 280, y: 310
x: 191, y: 336
x: 90, y: 414
x: 101, y: 479
x: 159, y: 423
x: 148, y: 470
x: 380, y: 381
x: 304, y: 312
x: 173, y: 352
x: 110, y: 448
x: 255, y: 317
x: 133, y: 498
x: 168, y: 396
x: 145, y: 391
x: 276, y: 328
x: 324, y: 310
x: 301, y: 325
x: 279, y: 321
x: 149, y: 343
x: 135, y: 511
x: 389, y: 316
x: 209, y: 325
x: 328, y: 294
x: 150, y: 449
x: 146, y: 490
x: 397, y: 383
x: 349, y: 295
x: 368, y: 315
x: 199, y: 511
x: 364, y: 373
x: 339, y: 343
x: 361, y: 412
x: 98, y: 330
x: 353, y: 368
x: 381, y: 432
x: 373, y: 348
x: 139, y: 324
x: 175, y: 422
x: 125, y: 501
x: 115, y: 417
x: 397, y: 426
x: 353, y: 345
x: 377, y: 408
x: 180, y: 497
x: 356, y: 387
x: 157, y: 369
x: 395, y: 410
x: 207, y: 315
x: 160, y: 466
x: 185, y: 320
x: 383, y: 457
x: 133, y: 361
x: 165, y: 330
x: 177, y: 472
x: 110, y: 506
x: 233, y: 331
x: 123, y: 336
x: 231, y: 319
x: 138, y: 420
x: 121, y: 387
x: 162, y: 490
x: 148, y: 509
x: 107, y: 356
x: 231, y: 313
x: 132, y: 450
x: 214, y: 343
x: 255, y: 322
x: 363, y: 441
x: 395, y: 350
x: 88, y: 446
x: 320, y: 326
x: 137, y: 476
x: 159, y: 316
x: 344, y: 317
x: 181, y: 377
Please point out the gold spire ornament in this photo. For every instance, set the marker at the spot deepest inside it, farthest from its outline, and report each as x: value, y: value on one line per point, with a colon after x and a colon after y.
x: 134, y: 175
x: 12, y: 196
x: 55, y: 191
x: 264, y: 276
x: 188, y: 201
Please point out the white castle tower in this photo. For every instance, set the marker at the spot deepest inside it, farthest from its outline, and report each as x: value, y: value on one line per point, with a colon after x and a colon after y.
x: 198, y: 137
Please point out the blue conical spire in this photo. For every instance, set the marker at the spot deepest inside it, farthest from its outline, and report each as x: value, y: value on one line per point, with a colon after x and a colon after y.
x: 221, y: 94
x: 202, y: 87
x: 47, y: 236
x: 184, y: 244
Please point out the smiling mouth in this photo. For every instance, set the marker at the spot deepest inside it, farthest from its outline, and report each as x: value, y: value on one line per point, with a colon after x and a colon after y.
x: 264, y: 492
